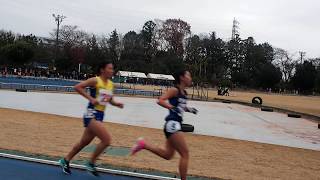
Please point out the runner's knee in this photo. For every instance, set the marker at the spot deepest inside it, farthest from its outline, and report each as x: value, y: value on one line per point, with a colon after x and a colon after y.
x: 169, y: 156
x: 106, y: 141
x: 184, y: 153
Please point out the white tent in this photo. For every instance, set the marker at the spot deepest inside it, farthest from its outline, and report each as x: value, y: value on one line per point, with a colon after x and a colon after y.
x: 160, y: 76
x: 131, y: 74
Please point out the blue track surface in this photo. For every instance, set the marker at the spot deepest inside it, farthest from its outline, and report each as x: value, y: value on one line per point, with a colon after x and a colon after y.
x: 23, y: 170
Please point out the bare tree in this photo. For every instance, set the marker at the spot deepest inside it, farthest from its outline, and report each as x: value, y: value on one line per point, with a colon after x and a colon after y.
x: 158, y: 41
x: 71, y: 36
x: 175, y: 32
x: 286, y: 62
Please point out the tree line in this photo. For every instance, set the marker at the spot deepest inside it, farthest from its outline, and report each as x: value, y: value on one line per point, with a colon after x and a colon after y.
x: 163, y: 46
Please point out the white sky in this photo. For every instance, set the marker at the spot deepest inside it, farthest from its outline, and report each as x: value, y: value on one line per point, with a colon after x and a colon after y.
x: 293, y: 25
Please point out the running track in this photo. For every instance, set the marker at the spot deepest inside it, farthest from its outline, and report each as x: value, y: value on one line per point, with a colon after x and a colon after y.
x: 14, y: 169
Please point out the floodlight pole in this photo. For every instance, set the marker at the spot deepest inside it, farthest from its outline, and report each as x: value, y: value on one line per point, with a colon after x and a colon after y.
x: 58, y: 19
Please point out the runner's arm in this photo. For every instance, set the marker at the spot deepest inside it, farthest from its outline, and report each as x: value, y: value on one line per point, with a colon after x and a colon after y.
x: 81, y: 89
x: 172, y: 92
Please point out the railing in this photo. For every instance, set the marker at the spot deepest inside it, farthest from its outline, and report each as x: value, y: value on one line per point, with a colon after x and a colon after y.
x: 38, y: 78
x: 40, y: 87
x: 36, y: 87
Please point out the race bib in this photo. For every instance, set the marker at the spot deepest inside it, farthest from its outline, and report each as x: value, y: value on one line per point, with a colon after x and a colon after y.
x: 104, y: 96
x: 173, y: 126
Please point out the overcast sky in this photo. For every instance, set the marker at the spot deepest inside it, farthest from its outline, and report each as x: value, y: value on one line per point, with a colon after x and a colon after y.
x: 293, y: 25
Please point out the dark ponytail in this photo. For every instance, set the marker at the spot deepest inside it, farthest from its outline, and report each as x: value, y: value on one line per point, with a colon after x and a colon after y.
x: 177, y: 76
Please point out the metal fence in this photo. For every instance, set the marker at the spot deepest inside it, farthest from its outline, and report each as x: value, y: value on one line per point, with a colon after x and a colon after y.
x: 40, y: 87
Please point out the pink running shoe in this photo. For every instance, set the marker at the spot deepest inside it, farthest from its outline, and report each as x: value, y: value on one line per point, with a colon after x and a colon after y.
x: 138, y: 147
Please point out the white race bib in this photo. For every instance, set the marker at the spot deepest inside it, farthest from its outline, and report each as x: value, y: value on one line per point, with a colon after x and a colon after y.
x: 103, y: 94
x: 173, y: 126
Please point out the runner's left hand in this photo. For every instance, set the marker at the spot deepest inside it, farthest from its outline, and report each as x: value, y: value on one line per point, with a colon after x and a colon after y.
x: 191, y: 110
x: 120, y: 105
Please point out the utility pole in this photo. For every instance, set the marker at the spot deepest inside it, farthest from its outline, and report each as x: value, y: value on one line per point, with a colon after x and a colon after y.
x: 58, y: 19
x: 235, y: 27
x: 302, y: 55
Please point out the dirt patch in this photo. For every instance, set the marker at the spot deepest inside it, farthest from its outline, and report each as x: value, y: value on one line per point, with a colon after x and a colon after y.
x: 210, y: 156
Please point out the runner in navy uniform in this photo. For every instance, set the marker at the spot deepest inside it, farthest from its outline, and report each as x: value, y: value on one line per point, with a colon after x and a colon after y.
x: 177, y: 105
